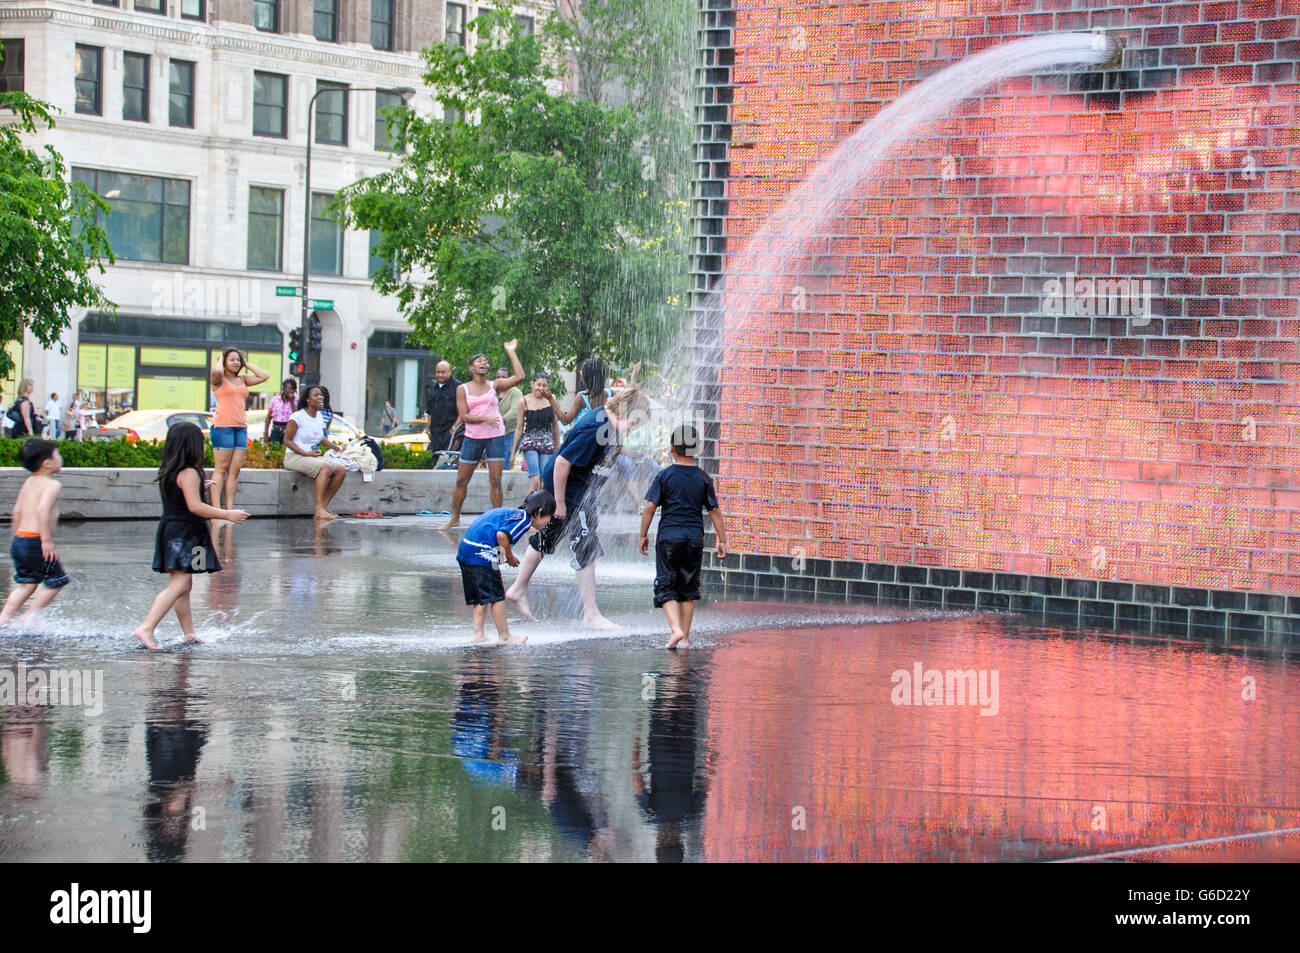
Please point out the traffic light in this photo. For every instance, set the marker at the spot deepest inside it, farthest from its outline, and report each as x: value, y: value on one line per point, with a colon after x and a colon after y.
x: 295, y: 345
x: 297, y: 368
x: 313, y: 333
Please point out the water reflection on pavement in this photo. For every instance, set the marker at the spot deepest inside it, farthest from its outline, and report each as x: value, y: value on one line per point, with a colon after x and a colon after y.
x: 338, y: 713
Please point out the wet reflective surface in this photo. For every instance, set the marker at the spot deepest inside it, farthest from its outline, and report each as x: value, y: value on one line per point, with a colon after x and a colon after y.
x: 338, y: 713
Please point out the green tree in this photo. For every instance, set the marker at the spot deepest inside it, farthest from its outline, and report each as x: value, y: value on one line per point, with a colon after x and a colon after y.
x: 543, y: 215
x: 48, y: 244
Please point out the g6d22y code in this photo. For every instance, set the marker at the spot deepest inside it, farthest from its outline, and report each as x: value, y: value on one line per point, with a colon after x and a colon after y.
x: 1222, y: 894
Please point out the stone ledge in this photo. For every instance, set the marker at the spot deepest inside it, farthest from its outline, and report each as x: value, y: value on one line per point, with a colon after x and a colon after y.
x: 128, y: 493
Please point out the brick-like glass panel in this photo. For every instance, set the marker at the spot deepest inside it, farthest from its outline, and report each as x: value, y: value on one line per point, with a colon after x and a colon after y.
x: 1054, y: 332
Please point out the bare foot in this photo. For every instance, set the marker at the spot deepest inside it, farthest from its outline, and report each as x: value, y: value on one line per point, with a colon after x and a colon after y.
x: 325, y: 516
x: 147, y: 638
x: 677, y: 637
x: 450, y: 524
x: 513, y: 639
x: 478, y: 637
x: 599, y: 622
x: 192, y: 639
x: 520, y: 599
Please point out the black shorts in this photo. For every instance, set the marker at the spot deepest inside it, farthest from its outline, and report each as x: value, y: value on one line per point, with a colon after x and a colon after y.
x: 30, y: 567
x: 677, y: 570
x: 483, y: 585
x: 579, y: 526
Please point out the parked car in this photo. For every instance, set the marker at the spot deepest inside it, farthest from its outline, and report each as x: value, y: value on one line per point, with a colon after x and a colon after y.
x: 413, y: 433
x: 341, y: 429
x: 137, y: 425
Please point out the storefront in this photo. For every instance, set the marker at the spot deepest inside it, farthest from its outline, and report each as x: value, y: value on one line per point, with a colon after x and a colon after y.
x: 395, y: 371
x: 133, y: 362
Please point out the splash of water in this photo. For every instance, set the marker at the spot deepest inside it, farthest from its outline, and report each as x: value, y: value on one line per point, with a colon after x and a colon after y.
x: 775, y: 250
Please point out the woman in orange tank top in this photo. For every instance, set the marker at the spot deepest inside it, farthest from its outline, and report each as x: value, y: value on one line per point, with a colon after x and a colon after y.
x: 230, y: 381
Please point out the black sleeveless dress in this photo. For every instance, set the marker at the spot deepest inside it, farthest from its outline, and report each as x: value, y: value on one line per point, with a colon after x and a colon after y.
x: 183, y: 542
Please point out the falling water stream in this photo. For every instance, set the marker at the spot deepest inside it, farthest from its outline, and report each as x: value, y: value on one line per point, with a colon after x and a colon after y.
x: 811, y: 210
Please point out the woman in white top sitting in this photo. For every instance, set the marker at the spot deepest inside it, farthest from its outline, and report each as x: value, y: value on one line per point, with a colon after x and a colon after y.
x: 304, y: 435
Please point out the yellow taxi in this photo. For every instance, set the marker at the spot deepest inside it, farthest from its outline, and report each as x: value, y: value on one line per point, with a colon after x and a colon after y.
x: 413, y: 433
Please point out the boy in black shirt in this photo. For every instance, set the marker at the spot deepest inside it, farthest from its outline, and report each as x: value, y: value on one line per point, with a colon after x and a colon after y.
x: 683, y: 490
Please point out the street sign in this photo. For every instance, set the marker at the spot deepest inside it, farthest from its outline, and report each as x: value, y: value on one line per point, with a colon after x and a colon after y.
x: 321, y: 304
x: 287, y: 291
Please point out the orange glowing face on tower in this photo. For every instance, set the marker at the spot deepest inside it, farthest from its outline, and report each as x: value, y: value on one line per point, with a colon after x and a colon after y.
x: 1055, y: 333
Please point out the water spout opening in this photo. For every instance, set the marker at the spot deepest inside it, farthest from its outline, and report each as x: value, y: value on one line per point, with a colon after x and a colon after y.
x: 1116, y: 44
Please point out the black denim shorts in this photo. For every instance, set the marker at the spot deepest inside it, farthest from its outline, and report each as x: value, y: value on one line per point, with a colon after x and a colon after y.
x: 30, y: 566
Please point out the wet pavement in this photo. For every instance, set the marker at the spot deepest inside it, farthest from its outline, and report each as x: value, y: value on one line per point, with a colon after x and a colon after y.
x: 338, y: 713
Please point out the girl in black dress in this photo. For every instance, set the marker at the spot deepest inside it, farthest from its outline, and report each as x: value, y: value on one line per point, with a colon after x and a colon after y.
x: 184, y: 545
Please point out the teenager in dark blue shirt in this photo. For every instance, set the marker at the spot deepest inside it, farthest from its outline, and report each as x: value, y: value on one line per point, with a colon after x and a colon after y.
x: 479, y: 558
x: 575, y: 475
x: 684, y: 491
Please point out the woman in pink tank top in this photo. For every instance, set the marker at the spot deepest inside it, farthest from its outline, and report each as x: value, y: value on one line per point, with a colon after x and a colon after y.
x: 485, y: 433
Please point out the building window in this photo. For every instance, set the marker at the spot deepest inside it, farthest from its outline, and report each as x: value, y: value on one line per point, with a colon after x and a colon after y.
x: 456, y: 24
x: 526, y: 24
x: 381, y: 24
x: 90, y: 72
x: 386, y: 99
x: 180, y: 102
x: 331, y: 113
x: 135, y: 86
x: 106, y: 3
x: 377, y: 262
x: 151, y: 215
x: 451, y: 115
x: 325, y: 20
x: 193, y: 9
x: 12, y: 67
x: 150, y: 6
x: 266, y: 15
x: 265, y: 229
x: 395, y: 371
x: 326, y: 237
x: 270, y: 94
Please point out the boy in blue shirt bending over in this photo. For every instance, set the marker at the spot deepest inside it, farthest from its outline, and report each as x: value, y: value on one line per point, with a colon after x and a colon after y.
x: 683, y: 490
x: 488, y: 539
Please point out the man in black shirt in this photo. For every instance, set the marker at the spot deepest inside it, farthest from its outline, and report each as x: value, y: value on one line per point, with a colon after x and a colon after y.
x: 440, y: 406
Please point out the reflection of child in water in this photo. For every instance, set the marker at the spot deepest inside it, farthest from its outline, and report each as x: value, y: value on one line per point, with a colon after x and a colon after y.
x: 478, y: 734
x: 173, y: 743
x: 672, y: 798
x: 24, y: 748
x: 558, y: 765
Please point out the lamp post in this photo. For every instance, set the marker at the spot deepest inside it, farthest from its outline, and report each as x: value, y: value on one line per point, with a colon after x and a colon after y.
x: 406, y: 93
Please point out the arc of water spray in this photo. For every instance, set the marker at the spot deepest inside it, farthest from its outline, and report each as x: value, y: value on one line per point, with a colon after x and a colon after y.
x: 806, y: 212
